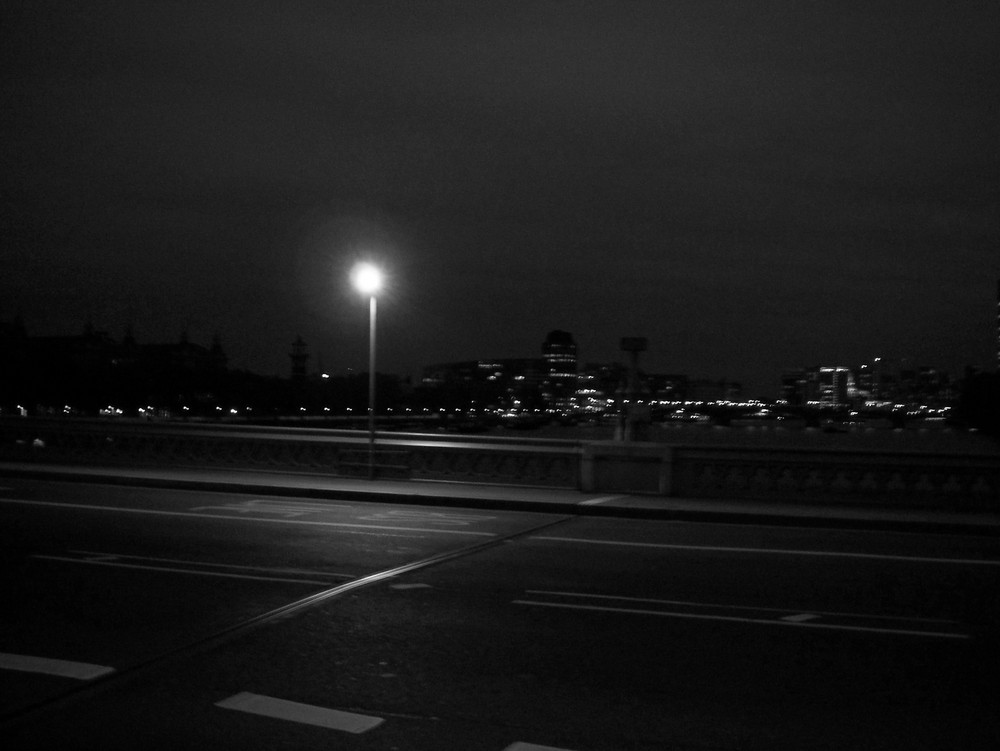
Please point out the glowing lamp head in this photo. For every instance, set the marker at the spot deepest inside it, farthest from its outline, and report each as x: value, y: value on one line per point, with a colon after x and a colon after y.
x: 367, y: 278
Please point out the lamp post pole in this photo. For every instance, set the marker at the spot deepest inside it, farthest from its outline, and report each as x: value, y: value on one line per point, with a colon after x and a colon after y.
x: 368, y: 280
x: 371, y: 389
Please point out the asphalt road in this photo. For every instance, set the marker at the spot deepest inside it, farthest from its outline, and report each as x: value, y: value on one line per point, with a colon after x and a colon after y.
x: 141, y: 618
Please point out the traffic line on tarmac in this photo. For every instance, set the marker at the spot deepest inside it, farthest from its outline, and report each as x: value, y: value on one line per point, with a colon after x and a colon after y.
x: 697, y: 611
x: 793, y: 614
x: 83, y: 671
x: 307, y: 714
x: 196, y: 568
x: 95, y: 555
x: 271, y: 506
x: 522, y: 746
x: 769, y: 551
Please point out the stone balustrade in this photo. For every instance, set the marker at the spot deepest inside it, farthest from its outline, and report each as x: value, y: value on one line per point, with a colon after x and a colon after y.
x: 913, y: 480
x: 343, y: 453
x: 903, y: 479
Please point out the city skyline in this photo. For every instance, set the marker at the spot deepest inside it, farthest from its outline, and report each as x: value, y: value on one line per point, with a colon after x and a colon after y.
x: 751, y: 188
x: 552, y: 357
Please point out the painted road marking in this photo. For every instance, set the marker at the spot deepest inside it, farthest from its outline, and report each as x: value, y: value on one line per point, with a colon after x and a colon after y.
x: 769, y: 551
x: 293, y: 711
x: 800, y: 618
x: 740, y: 619
x: 201, y: 568
x: 270, y: 506
x: 119, y: 556
x: 347, y: 527
x: 726, y: 606
x: 427, y: 517
x: 409, y: 586
x: 598, y: 501
x: 83, y: 671
x: 522, y: 746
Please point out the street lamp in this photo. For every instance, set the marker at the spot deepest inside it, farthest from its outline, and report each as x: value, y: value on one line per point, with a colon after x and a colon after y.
x: 368, y: 280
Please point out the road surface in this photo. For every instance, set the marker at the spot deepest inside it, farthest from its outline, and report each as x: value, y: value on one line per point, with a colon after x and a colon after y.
x: 144, y: 618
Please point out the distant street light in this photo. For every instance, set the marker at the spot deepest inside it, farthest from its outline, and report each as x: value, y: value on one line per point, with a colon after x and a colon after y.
x: 368, y: 280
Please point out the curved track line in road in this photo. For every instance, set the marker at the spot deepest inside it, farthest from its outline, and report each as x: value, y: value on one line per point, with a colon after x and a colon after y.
x: 285, y: 611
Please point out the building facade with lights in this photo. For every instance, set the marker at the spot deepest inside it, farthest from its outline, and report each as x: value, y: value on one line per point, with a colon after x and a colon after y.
x: 559, y: 384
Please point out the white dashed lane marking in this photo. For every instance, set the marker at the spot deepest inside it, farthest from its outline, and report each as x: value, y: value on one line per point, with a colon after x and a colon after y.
x: 293, y: 711
x: 82, y: 671
x: 800, y: 618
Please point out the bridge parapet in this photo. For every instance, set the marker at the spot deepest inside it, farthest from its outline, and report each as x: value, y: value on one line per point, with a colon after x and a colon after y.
x: 540, y: 462
x: 903, y: 480
x: 893, y: 478
x: 913, y: 480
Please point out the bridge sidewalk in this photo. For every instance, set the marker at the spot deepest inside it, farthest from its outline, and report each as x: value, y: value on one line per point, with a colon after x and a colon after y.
x: 519, y: 498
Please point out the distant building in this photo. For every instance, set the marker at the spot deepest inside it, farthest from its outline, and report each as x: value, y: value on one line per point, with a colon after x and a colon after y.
x: 300, y: 358
x: 820, y: 385
x: 870, y: 384
x: 706, y: 390
x: 836, y: 385
x: 181, y: 357
x: 491, y: 384
x: 667, y: 387
x: 508, y: 384
x: 89, y: 372
x: 560, y: 381
x: 794, y: 387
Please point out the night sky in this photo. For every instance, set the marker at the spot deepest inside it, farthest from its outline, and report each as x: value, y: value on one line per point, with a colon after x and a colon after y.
x: 751, y: 185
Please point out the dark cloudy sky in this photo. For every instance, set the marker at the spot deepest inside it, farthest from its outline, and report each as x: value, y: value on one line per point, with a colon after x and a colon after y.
x: 751, y: 185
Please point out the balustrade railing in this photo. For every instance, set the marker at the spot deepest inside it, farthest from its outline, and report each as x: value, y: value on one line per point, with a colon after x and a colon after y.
x: 932, y: 480
x: 910, y: 480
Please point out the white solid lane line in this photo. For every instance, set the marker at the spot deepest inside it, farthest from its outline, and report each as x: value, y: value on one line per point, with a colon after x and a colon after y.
x: 793, y: 612
x: 83, y: 671
x: 175, y: 570
x: 95, y: 555
x: 769, y: 551
x: 736, y: 619
x: 293, y: 711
